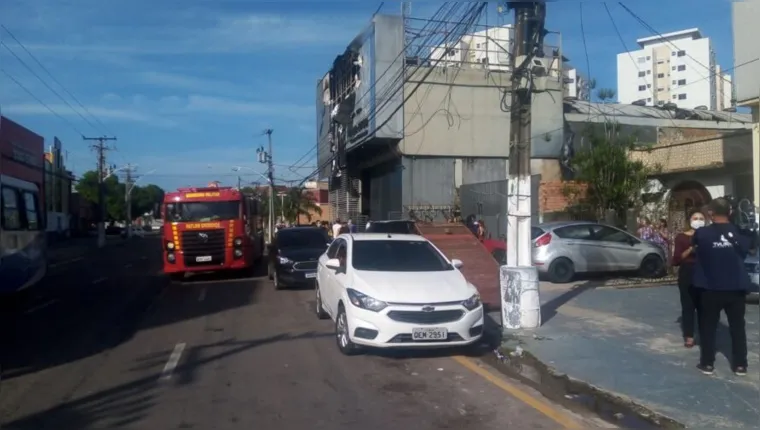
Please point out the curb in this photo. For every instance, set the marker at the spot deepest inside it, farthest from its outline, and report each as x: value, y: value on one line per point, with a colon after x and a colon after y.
x: 576, y: 395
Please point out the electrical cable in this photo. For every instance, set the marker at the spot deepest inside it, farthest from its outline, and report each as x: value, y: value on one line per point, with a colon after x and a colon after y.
x: 585, y: 47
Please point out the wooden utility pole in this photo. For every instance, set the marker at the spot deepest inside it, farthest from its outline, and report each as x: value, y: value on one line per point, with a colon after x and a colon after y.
x: 101, y: 147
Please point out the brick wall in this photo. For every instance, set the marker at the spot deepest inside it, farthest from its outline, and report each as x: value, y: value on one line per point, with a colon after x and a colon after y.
x: 552, y: 196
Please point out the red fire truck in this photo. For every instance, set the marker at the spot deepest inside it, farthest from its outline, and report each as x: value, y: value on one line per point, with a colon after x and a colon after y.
x: 210, y: 229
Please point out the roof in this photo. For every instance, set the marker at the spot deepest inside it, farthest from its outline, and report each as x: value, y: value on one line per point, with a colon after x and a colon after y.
x: 692, y: 33
x: 362, y: 237
x: 632, y: 114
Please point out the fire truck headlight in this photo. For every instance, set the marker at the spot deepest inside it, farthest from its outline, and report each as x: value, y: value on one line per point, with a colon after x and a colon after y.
x: 238, y: 253
x: 238, y: 242
x: 170, y: 256
x: 170, y: 246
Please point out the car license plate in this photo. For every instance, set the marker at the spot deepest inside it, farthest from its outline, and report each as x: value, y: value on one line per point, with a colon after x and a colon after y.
x: 311, y: 275
x: 203, y: 259
x: 430, y: 333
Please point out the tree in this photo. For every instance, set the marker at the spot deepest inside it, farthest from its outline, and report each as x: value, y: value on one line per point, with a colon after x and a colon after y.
x: 612, y: 181
x: 144, y: 199
x: 298, y: 202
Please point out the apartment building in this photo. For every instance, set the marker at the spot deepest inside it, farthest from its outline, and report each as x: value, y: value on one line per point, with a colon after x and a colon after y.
x: 677, y: 67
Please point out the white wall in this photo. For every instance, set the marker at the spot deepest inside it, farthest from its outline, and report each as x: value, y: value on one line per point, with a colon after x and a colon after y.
x: 687, y: 88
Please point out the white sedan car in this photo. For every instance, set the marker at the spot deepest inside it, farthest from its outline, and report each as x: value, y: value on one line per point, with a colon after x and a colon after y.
x: 395, y: 290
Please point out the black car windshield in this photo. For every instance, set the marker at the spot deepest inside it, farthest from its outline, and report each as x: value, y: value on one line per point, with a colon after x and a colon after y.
x: 395, y: 227
x: 302, y: 238
x: 202, y: 211
x: 397, y: 256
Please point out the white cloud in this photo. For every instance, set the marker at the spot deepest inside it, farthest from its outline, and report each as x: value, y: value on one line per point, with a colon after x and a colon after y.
x: 170, y: 110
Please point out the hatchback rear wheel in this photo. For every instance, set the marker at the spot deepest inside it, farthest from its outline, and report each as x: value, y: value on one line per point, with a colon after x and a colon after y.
x: 561, y: 271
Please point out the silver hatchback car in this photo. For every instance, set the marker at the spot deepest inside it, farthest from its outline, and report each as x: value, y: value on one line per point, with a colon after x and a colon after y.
x: 563, y: 249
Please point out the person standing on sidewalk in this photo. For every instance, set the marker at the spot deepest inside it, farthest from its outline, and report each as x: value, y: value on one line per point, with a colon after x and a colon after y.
x: 684, y: 258
x: 720, y: 274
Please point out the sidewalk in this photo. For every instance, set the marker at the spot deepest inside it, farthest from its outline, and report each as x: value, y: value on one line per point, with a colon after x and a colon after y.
x: 626, y: 343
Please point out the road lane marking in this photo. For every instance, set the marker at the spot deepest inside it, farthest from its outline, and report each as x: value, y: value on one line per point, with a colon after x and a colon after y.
x: 542, y: 406
x: 166, y: 374
x: 202, y: 295
x: 40, y: 306
x: 99, y: 280
x: 63, y: 263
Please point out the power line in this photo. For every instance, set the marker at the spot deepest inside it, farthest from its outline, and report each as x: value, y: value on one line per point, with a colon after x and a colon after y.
x: 101, y: 147
x: 47, y: 71
x: 23, y: 63
x: 31, y: 94
x: 585, y: 47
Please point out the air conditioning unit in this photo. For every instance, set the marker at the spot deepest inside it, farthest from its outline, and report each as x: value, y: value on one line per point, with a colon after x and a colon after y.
x: 538, y: 69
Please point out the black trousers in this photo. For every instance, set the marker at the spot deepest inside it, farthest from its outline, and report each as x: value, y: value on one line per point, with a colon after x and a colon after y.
x: 689, y: 299
x: 733, y: 304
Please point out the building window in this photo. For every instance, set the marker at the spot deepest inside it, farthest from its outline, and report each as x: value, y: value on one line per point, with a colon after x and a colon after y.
x: 642, y: 88
x: 649, y: 85
x: 32, y: 212
x: 675, y: 96
x: 661, y: 75
x: 11, y: 215
x: 681, y: 68
x: 660, y: 89
x: 642, y: 74
x: 673, y: 68
x: 682, y: 97
x: 660, y: 102
x: 682, y: 82
x: 674, y: 82
x: 660, y: 61
x: 673, y: 53
x: 478, y: 45
x: 642, y: 60
x: 649, y: 72
x: 648, y: 58
x: 649, y: 99
x: 681, y: 53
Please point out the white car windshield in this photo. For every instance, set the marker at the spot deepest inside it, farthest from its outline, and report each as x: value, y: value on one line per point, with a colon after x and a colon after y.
x: 397, y: 256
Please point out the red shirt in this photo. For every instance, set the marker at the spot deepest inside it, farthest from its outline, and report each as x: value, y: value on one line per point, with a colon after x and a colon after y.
x: 682, y: 243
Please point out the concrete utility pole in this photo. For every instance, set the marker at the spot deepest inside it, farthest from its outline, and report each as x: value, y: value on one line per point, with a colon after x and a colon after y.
x: 128, y: 185
x: 266, y: 157
x: 101, y: 147
x: 520, y: 275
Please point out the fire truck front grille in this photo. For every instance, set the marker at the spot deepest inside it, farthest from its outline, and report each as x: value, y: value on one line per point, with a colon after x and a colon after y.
x: 203, y: 247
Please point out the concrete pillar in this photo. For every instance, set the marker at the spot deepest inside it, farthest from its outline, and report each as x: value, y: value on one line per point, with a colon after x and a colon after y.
x: 756, y: 156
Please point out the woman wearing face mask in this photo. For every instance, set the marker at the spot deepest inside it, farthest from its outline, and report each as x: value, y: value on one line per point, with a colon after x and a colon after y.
x: 684, y: 259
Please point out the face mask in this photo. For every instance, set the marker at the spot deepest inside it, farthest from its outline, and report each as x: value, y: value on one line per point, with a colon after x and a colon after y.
x: 697, y: 223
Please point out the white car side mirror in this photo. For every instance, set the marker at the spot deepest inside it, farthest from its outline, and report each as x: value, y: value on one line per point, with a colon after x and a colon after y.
x: 457, y: 263
x: 333, y: 263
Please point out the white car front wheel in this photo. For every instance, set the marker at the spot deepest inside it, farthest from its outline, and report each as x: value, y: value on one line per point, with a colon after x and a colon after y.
x: 320, y: 310
x: 342, y: 334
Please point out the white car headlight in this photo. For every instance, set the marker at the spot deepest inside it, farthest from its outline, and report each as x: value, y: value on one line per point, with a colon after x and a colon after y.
x: 472, y: 303
x: 284, y: 260
x: 364, y: 301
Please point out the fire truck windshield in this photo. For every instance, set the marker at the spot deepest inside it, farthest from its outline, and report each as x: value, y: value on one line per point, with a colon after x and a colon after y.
x: 202, y: 211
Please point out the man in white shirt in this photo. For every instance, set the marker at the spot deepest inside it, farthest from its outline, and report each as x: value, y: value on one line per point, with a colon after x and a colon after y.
x: 336, y: 227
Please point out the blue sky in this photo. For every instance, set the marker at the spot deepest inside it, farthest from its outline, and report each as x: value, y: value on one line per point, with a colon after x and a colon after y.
x: 189, y: 86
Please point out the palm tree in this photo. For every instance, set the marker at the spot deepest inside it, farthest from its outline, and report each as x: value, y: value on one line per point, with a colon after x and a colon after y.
x: 297, y: 202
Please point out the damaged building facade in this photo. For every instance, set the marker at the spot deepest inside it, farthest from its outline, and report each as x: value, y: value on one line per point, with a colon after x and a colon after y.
x: 397, y: 133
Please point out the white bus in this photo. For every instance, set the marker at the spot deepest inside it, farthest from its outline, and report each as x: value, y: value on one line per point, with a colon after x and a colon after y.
x: 23, y: 247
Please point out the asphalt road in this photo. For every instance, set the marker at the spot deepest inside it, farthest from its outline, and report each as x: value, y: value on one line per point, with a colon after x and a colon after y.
x: 107, y: 342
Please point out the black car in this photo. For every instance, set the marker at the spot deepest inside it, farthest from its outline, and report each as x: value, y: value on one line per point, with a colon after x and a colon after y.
x: 294, y: 254
x: 392, y: 226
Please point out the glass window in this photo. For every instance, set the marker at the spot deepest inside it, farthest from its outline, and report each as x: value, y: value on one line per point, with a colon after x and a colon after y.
x: 11, y: 216
x: 681, y: 68
x: 609, y: 234
x: 574, y: 232
x: 682, y: 97
x: 398, y: 256
x: 202, y: 211
x: 332, y: 251
x: 642, y: 88
x: 682, y: 82
x: 32, y: 214
x: 642, y: 74
x: 302, y: 238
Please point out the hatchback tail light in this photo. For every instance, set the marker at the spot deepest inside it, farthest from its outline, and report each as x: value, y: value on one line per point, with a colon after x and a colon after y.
x: 543, y: 240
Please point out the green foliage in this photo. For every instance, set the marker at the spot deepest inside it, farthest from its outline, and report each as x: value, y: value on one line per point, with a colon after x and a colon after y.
x: 614, y: 181
x: 144, y: 198
x: 290, y: 203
